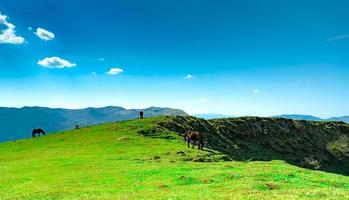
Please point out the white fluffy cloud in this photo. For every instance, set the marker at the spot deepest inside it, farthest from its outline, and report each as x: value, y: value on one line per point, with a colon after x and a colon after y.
x: 44, y: 34
x: 115, y: 71
x: 8, y: 34
x: 189, y: 76
x: 55, y: 62
x: 255, y: 91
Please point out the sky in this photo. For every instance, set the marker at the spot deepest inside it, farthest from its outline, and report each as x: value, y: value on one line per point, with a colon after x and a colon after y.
x: 257, y: 57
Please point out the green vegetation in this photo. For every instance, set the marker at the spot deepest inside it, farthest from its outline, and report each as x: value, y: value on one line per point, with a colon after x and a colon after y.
x: 310, y: 144
x: 139, y: 159
x: 58, y: 119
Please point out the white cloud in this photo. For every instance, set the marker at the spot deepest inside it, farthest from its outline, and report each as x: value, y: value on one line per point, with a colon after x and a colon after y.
x: 30, y: 28
x: 44, y: 34
x: 337, y: 38
x: 94, y: 73
x: 8, y: 35
x: 55, y: 62
x: 115, y: 71
x: 189, y: 76
x: 255, y: 91
x: 101, y: 59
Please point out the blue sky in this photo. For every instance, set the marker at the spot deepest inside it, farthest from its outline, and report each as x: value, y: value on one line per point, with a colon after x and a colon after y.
x: 233, y: 57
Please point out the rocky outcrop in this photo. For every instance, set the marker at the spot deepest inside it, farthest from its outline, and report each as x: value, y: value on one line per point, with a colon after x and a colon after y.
x: 318, y: 145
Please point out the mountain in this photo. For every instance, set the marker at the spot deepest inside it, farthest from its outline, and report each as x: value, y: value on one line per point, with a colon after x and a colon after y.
x: 286, y: 116
x: 343, y: 119
x: 147, y: 159
x: 212, y: 116
x: 298, y: 117
x: 312, y: 118
x: 320, y: 145
x: 18, y: 123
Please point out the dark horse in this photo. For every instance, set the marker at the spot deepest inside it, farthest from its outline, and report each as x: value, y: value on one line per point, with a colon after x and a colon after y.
x: 37, y: 131
x: 194, y: 137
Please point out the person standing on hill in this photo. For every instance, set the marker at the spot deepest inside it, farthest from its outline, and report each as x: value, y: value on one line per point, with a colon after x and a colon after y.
x: 141, y: 114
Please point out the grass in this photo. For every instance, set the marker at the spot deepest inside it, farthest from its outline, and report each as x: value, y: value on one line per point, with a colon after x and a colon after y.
x: 114, y: 161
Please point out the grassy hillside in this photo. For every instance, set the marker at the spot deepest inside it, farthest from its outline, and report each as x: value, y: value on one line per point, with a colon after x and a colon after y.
x: 316, y: 145
x: 17, y: 123
x: 138, y: 159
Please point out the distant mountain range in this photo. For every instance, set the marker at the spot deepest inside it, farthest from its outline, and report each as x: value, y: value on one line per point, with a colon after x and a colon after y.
x: 313, y: 118
x: 299, y: 117
x: 287, y: 116
x: 18, y: 123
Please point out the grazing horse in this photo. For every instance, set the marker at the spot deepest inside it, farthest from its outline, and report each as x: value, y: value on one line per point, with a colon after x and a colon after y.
x: 37, y: 131
x: 195, y: 137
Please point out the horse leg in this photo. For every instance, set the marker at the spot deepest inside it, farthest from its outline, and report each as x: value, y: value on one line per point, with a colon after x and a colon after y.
x: 33, y: 135
x: 194, y: 142
x: 188, y: 143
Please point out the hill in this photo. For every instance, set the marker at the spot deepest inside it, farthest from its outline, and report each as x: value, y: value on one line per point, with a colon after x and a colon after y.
x: 146, y: 159
x: 317, y: 145
x: 343, y: 119
x: 286, y: 116
x: 312, y: 118
x: 299, y: 117
x: 18, y: 123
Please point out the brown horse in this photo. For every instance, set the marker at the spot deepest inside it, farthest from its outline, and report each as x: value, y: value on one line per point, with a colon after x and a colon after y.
x: 37, y: 131
x: 194, y: 137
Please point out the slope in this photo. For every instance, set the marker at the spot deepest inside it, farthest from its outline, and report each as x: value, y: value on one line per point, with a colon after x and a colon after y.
x: 138, y: 159
x: 18, y: 123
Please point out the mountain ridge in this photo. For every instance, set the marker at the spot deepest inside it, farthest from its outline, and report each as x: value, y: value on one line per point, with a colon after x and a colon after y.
x: 286, y: 116
x: 312, y: 118
x: 17, y: 123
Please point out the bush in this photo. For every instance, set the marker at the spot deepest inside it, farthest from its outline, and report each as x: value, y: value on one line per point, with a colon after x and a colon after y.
x: 340, y: 147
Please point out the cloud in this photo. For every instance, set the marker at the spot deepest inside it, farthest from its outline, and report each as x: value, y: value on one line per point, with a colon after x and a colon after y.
x: 30, y: 28
x: 115, y: 71
x: 44, y: 34
x: 255, y: 91
x: 101, y: 59
x: 8, y: 34
x: 337, y: 38
x: 94, y: 73
x: 189, y: 77
x: 55, y: 62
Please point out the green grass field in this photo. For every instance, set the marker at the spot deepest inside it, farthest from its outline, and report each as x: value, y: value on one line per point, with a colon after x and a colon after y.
x: 113, y: 161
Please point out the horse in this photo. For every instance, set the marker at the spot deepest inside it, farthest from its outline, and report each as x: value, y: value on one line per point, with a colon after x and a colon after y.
x: 141, y: 114
x: 195, y: 137
x: 37, y: 131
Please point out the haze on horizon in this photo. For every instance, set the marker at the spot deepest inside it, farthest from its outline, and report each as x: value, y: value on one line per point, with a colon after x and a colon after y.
x: 230, y: 57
